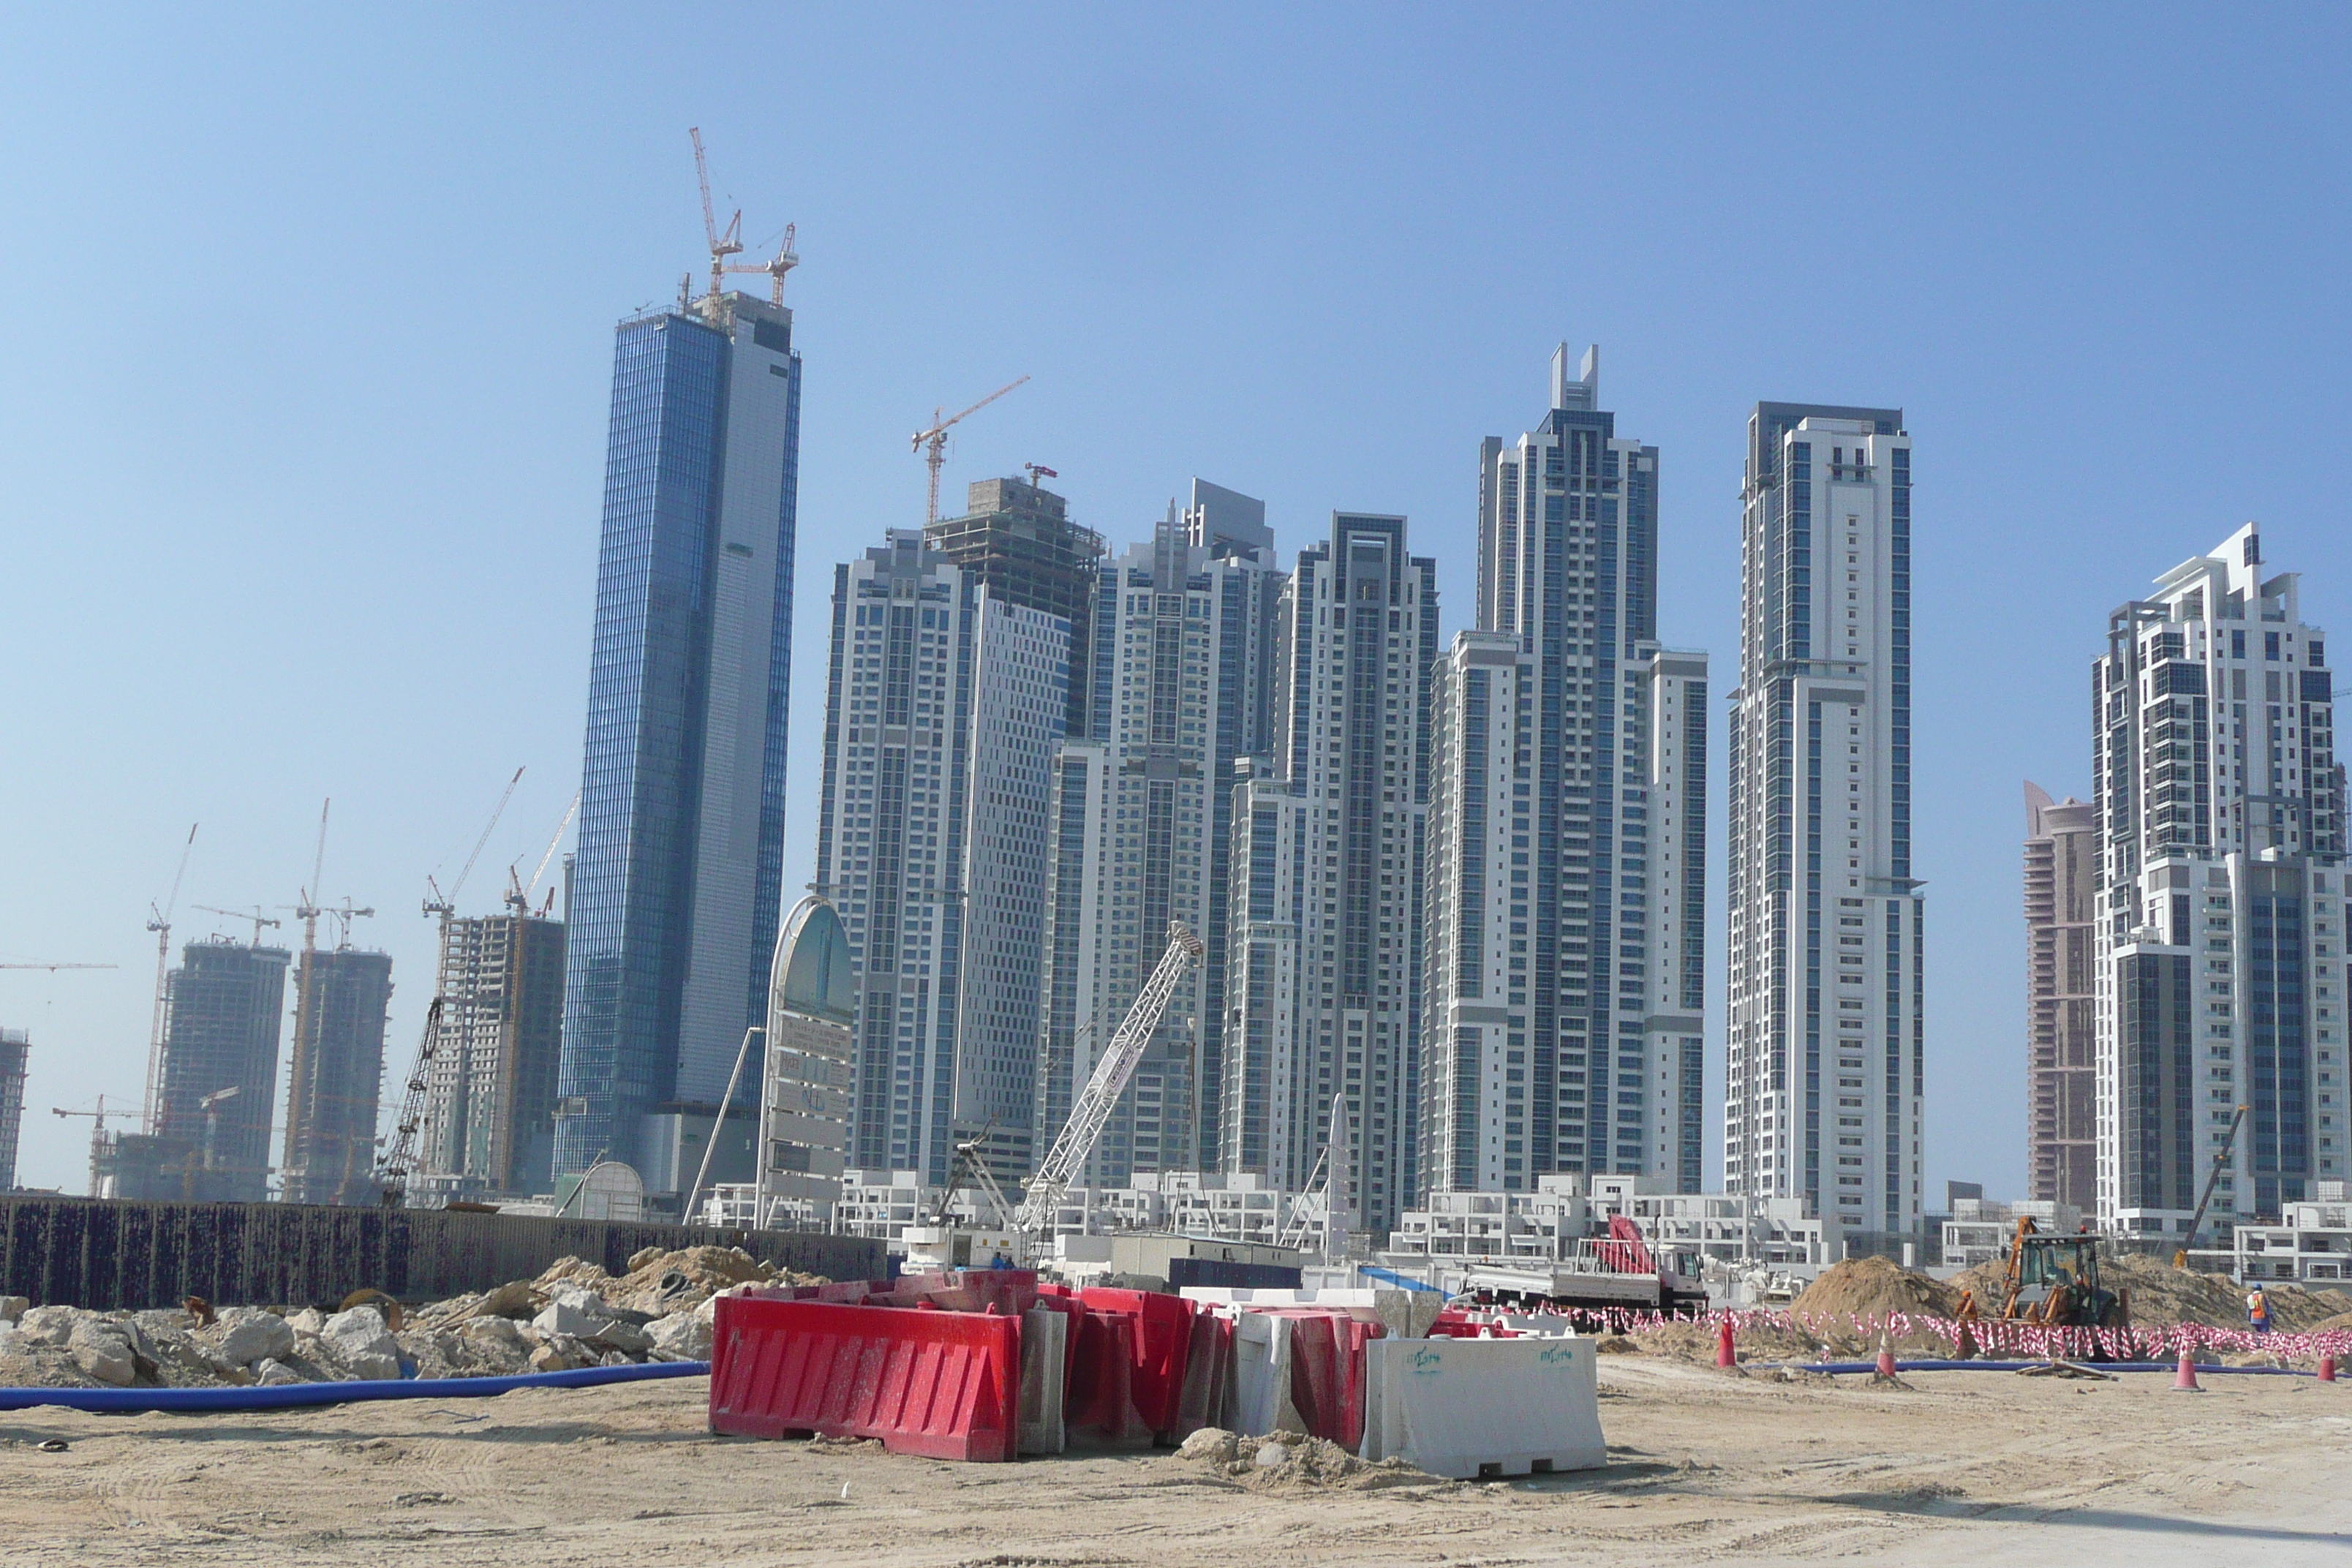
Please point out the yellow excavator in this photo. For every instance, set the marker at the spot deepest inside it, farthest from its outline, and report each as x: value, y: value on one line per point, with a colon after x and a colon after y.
x: 2054, y: 1281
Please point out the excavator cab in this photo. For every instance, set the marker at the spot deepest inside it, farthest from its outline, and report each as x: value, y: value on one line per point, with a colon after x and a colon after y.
x: 2054, y: 1281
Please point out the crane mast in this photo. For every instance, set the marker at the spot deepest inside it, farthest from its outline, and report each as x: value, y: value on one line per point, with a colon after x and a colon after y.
x: 1092, y: 1110
x: 160, y: 922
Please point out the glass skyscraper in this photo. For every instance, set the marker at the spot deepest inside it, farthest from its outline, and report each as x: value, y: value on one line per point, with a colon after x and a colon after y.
x: 680, y: 858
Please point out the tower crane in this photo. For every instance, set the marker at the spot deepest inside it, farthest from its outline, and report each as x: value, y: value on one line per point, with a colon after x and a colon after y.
x: 731, y: 243
x: 97, y: 1132
x: 160, y: 922
x: 257, y: 917
x: 518, y: 895
x: 785, y: 259
x: 53, y: 968
x: 1091, y: 1112
x: 936, y: 440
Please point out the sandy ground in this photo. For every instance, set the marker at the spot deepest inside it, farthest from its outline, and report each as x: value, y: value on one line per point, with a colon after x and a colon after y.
x: 1984, y: 1468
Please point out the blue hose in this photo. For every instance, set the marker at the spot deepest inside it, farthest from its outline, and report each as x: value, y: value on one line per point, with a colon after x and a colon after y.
x: 297, y: 1396
x: 1853, y: 1366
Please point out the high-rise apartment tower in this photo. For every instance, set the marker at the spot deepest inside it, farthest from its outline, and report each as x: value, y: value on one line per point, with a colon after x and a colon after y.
x: 943, y: 706
x: 1323, y: 970
x: 2061, y: 859
x: 1183, y: 645
x: 1564, y: 1001
x: 1826, y: 1044
x: 2222, y: 901
x: 679, y: 869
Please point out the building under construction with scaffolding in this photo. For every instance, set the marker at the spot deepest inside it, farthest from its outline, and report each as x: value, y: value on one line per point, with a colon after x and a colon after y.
x: 498, y: 1037
x: 16, y: 1044
x: 1019, y: 539
x: 223, y: 1009
x: 336, y: 1075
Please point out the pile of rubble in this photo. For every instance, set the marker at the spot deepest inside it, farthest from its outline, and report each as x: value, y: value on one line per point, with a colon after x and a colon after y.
x: 574, y: 1315
x: 1292, y: 1461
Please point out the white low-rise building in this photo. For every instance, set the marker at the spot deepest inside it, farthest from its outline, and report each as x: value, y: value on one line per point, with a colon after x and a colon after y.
x: 2311, y: 1242
x: 1981, y: 1229
x: 1549, y: 1223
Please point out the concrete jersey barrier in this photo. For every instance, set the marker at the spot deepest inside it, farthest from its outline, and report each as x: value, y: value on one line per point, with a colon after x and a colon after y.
x: 1465, y: 1408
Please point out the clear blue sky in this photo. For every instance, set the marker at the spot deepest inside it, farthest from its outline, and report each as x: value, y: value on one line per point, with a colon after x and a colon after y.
x: 307, y: 342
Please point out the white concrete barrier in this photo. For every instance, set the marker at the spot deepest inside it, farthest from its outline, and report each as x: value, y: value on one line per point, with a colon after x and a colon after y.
x: 1465, y: 1408
x: 1043, y: 1378
x: 1262, y: 1375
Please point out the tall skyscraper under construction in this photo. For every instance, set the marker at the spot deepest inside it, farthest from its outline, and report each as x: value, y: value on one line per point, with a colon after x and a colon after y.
x: 1140, y: 821
x: 678, y: 872
x: 490, y: 1108
x: 1323, y: 966
x: 224, y: 1011
x: 1018, y: 539
x: 15, y: 1046
x: 1568, y: 843
x: 335, y: 1076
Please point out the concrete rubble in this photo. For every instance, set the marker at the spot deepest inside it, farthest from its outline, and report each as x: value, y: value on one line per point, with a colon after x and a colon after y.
x: 575, y: 1314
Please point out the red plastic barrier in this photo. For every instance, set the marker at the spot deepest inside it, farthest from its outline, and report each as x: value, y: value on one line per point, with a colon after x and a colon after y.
x: 1161, y: 1339
x: 1098, y: 1404
x: 1208, y: 1369
x: 944, y: 1384
x: 1327, y: 1371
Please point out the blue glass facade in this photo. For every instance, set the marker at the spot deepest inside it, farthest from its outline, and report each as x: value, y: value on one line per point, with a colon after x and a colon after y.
x: 669, y: 520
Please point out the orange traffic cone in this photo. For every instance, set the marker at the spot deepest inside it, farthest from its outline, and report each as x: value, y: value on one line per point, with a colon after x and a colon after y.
x: 2328, y: 1369
x: 1723, y: 1352
x: 2184, y: 1377
x: 1885, y: 1356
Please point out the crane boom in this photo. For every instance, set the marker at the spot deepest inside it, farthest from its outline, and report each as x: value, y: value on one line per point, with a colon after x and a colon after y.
x: 936, y: 440
x: 1092, y: 1112
x: 2212, y: 1180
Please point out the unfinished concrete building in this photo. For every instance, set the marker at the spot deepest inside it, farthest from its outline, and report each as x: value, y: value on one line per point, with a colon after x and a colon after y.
x: 336, y: 1076
x: 223, y: 1012
x: 1021, y: 543
x: 15, y: 1046
x: 489, y: 1108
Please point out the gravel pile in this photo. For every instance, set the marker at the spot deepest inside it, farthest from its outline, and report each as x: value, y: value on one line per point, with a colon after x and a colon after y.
x: 574, y: 1315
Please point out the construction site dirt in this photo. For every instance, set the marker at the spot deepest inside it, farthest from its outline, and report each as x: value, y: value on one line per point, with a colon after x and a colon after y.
x: 1704, y: 1466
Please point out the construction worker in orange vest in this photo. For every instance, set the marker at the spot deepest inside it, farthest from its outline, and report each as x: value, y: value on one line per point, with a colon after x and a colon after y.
x: 2258, y: 1310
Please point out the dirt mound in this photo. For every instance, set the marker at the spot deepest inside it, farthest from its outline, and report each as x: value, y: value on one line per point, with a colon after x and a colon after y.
x: 661, y: 1283
x: 1873, y: 1288
x: 2162, y: 1295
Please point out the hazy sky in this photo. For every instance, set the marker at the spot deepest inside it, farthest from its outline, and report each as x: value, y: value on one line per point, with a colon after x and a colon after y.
x: 304, y: 368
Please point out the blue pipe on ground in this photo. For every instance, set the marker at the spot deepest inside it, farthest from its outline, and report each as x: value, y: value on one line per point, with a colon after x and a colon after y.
x: 1853, y: 1366
x: 299, y: 1395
